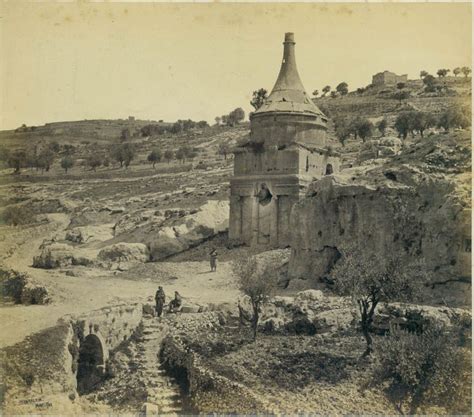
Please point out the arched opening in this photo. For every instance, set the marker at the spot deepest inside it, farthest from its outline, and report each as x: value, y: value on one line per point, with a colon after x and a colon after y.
x: 329, y: 169
x: 91, y: 366
x: 264, y: 195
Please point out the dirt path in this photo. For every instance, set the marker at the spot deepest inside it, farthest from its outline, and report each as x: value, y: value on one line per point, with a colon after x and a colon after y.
x: 94, y: 288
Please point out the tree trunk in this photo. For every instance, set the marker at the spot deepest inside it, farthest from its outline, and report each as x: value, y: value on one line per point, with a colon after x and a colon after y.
x: 367, y: 318
x: 364, y: 324
x: 255, y: 320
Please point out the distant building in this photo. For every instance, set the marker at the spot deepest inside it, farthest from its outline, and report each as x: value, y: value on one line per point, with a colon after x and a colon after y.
x: 388, y: 78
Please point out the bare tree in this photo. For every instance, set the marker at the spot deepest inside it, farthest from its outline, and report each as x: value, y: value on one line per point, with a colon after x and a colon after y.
x: 223, y: 149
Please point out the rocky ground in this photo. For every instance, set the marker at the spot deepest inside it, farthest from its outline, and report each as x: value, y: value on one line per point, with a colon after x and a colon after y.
x: 93, y: 239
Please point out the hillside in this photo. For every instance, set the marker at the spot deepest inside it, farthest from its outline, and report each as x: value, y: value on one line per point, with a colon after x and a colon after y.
x: 75, y: 132
x: 375, y: 102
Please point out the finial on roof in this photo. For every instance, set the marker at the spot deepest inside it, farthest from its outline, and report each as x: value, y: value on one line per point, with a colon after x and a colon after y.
x: 288, y: 93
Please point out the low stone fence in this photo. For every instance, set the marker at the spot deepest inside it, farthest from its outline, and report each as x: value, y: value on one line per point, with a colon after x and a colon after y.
x: 208, y: 391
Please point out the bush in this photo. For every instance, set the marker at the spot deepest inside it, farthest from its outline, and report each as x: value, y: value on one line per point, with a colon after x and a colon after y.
x: 12, y: 284
x: 15, y: 216
x: 428, y: 369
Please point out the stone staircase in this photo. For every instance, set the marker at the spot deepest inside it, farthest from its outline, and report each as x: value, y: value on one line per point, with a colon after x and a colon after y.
x: 163, y: 392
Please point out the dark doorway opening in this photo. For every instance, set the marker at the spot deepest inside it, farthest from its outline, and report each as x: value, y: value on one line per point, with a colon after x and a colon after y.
x: 329, y: 169
x: 91, y: 366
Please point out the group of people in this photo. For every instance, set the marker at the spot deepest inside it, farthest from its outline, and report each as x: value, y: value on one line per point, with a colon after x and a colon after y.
x: 175, y: 305
x: 160, y: 300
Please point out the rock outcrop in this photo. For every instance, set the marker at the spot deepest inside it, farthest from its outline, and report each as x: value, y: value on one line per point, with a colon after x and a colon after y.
x: 60, y: 255
x: 86, y: 234
x: 417, y: 203
x: 117, y: 255
x: 21, y: 289
x: 183, y: 232
x: 309, y: 312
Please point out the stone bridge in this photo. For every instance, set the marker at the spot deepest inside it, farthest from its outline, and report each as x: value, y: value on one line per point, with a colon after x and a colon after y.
x: 93, y: 336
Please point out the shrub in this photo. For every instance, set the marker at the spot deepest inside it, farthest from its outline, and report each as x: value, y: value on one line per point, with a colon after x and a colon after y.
x: 15, y: 216
x: 424, y: 369
x: 12, y: 284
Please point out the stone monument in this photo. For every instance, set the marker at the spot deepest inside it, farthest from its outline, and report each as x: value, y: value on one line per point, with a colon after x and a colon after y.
x: 286, y: 150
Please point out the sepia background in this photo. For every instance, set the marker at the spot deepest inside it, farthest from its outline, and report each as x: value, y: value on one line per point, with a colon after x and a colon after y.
x: 92, y: 60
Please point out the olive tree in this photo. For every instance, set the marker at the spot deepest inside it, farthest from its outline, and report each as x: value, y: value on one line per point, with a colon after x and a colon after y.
x: 343, y: 130
x: 466, y: 71
x: 370, y: 278
x: 66, y: 163
x: 154, y: 156
x: 258, y: 98
x: 443, y: 72
x: 255, y: 280
x: 326, y: 90
x: 169, y: 155
x: 342, y: 88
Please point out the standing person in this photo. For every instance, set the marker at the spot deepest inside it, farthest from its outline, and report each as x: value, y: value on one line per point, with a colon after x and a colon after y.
x: 213, y: 260
x: 160, y: 299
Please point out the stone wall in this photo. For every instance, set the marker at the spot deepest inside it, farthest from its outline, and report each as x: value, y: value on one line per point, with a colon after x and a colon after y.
x: 113, y: 324
x: 277, y: 130
x: 268, y: 162
x: 40, y: 373
x: 209, y: 392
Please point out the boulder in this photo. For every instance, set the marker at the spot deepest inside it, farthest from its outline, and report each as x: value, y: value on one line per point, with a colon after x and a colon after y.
x: 60, y: 255
x: 163, y: 246
x: 85, y: 234
x: 190, y: 308
x: 114, y: 209
x: 310, y: 295
x: 124, y: 252
x: 129, y: 222
x: 34, y: 294
x: 331, y: 321
x: 185, y: 229
x: 148, y: 309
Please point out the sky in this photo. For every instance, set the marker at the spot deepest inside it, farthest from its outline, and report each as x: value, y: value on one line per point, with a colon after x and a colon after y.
x: 91, y: 60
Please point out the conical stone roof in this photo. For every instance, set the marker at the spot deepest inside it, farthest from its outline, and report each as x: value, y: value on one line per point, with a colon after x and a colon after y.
x: 288, y: 94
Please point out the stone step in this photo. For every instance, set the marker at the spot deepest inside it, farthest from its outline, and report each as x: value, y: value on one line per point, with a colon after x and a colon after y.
x: 170, y: 409
x: 165, y: 394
